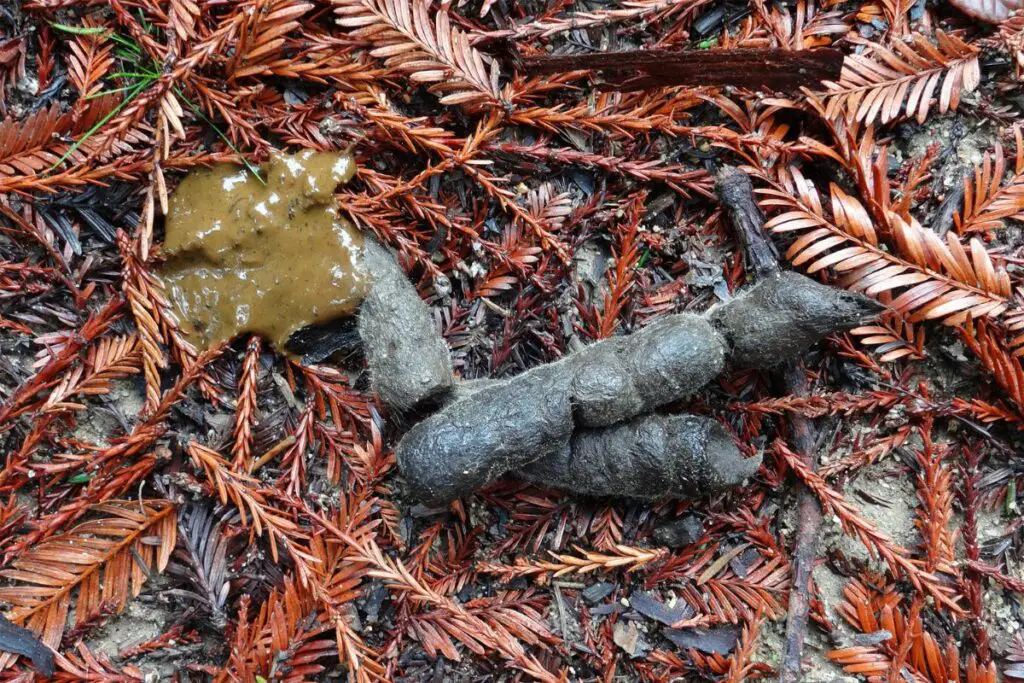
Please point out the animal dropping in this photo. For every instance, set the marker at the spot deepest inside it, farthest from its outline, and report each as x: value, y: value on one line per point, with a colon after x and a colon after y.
x: 244, y: 256
x: 410, y: 369
x: 653, y: 456
x: 587, y: 422
x: 568, y: 423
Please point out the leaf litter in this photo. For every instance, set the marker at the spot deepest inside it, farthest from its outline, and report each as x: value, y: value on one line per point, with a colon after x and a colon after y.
x: 485, y: 182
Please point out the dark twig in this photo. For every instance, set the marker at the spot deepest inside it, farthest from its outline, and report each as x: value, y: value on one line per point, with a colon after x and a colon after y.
x: 736, y: 192
x: 803, y: 437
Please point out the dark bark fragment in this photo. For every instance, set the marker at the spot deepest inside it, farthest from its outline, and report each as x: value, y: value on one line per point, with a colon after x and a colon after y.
x: 951, y: 205
x: 717, y: 640
x: 21, y: 641
x: 756, y: 69
x: 737, y: 194
x: 317, y: 343
x: 679, y: 532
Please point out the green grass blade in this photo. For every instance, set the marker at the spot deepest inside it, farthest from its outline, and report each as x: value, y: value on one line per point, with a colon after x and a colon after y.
x: 81, y: 30
x: 199, y: 112
x: 99, y: 124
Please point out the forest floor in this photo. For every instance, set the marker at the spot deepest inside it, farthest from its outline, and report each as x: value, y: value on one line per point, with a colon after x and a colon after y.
x: 175, y: 513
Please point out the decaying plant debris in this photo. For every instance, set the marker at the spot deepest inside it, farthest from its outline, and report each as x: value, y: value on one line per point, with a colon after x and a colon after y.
x: 236, y: 515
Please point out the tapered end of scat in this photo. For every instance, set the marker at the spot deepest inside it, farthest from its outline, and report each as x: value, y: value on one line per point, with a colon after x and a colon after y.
x: 784, y: 315
x: 409, y: 361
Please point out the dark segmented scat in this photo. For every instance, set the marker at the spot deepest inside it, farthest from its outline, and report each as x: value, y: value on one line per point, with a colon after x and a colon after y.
x: 502, y: 426
x: 479, y: 438
x: 650, y: 457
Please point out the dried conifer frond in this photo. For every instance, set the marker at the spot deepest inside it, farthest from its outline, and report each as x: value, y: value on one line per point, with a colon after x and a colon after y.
x: 57, y: 360
x: 512, y: 615
x: 33, y: 143
x: 820, y: 404
x: 428, y: 50
x: 246, y: 495
x: 909, y: 648
x: 988, y: 200
x: 896, y: 557
x: 12, y: 514
x: 807, y: 29
x: 882, y: 84
x: 85, y: 665
x: 112, y: 358
x: 935, y: 493
x: 717, y: 591
x: 260, y: 41
x: 182, y: 17
x: 519, y: 252
x: 90, y: 59
x: 245, y: 410
x: 286, y: 627
x: 741, y: 667
x: 585, y: 561
x: 12, y: 65
x: 893, y: 337
x: 466, y: 627
x: 156, y: 322
x: 936, y: 280
x: 1005, y: 366
x: 202, y: 559
x: 618, y: 115
x: 105, y: 561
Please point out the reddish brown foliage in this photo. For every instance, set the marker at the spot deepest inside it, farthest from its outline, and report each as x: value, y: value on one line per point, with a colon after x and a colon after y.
x: 533, y: 213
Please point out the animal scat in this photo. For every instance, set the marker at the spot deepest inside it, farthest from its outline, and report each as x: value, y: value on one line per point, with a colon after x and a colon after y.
x: 784, y: 315
x: 650, y: 457
x: 490, y: 428
x: 511, y: 423
x: 477, y: 439
x: 268, y: 259
x: 411, y: 368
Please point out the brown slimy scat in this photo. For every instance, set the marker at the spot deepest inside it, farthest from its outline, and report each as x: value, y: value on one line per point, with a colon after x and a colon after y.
x: 267, y: 259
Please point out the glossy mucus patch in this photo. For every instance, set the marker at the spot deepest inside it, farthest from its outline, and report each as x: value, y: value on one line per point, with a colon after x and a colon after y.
x: 266, y: 258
